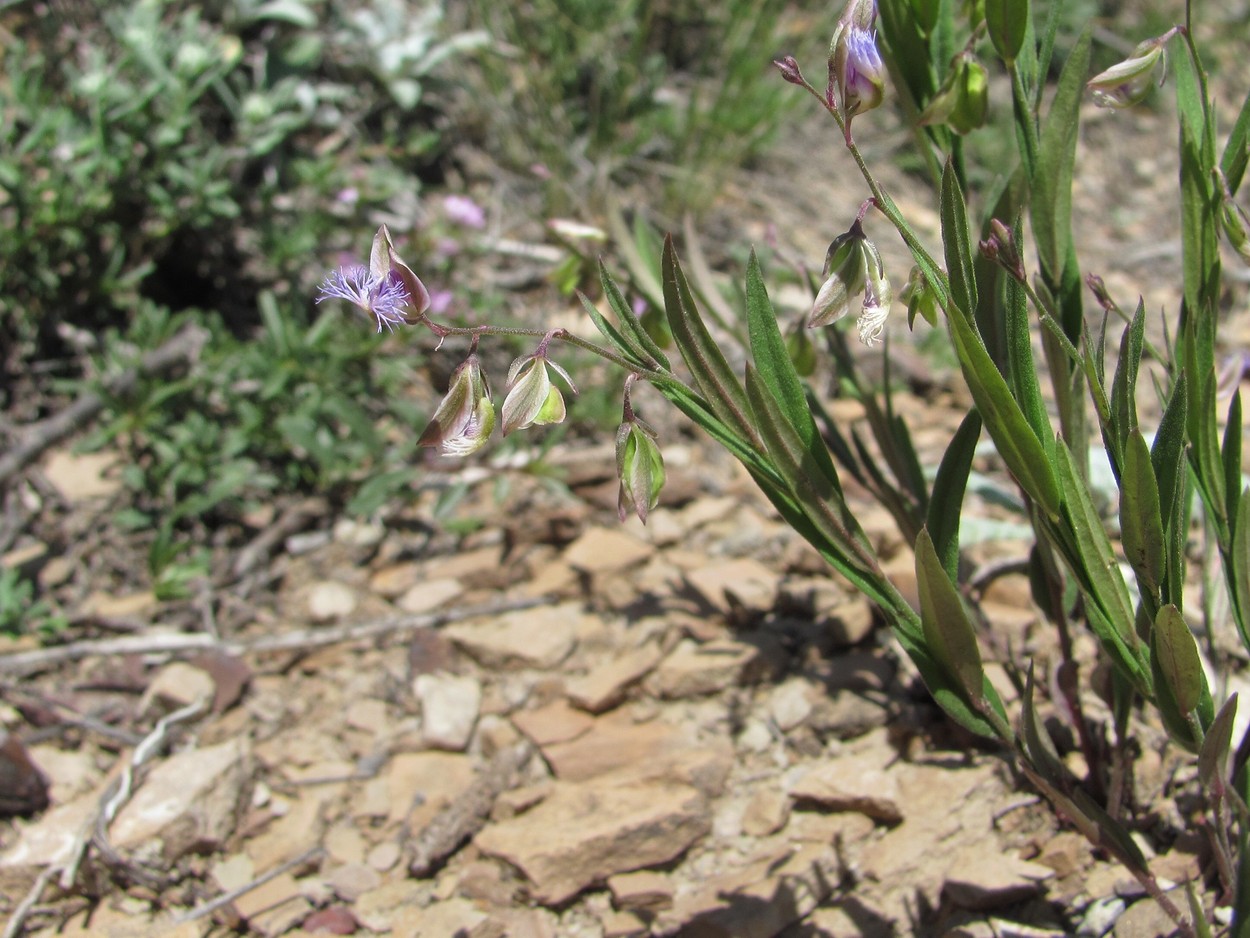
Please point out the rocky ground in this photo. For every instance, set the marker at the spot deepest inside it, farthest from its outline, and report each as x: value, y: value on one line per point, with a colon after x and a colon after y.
x: 557, y: 725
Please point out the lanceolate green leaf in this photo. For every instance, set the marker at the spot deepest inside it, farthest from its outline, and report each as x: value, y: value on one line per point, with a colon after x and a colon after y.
x: 947, y: 629
x: 955, y: 239
x: 1007, y: 21
x: 946, y: 502
x: 1141, y: 524
x: 817, y: 493
x: 629, y: 322
x: 1021, y: 366
x: 1051, y: 206
x: 1177, y: 654
x: 1111, y: 612
x: 623, y: 345
x: 1237, y: 150
x: 1020, y: 448
x: 772, y: 360
x: 1232, y: 454
x: 1200, y: 199
x: 1124, y: 384
x: 716, y: 379
x: 1240, y: 561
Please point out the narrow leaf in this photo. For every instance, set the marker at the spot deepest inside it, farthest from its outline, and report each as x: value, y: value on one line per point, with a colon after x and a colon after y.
x: 613, y: 335
x: 1177, y: 654
x: 1051, y: 205
x: 946, y: 502
x: 1141, y: 524
x: 1021, y: 366
x: 1237, y: 150
x: 1020, y: 448
x: 1213, y: 756
x: 959, y: 260
x: 1124, y: 384
x: 1231, y: 453
x: 947, y: 629
x: 776, y: 369
x: 711, y: 371
x: 629, y: 322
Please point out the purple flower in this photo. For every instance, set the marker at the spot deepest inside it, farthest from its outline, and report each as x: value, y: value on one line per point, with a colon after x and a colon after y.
x: 464, y: 211
x: 386, y: 290
x: 383, y: 298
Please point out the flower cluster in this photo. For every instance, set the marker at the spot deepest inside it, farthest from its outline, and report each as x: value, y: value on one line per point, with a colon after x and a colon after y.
x: 387, y: 291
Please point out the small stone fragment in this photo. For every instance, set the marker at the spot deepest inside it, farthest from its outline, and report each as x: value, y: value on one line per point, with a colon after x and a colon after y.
x: 336, y: 920
x: 449, y: 709
x: 766, y: 813
x: 605, y: 686
x: 982, y: 877
x: 645, y: 891
x: 330, y: 600
x: 275, y: 906
x: 623, y: 925
x: 852, y: 783
x: 743, y: 584
x: 176, y: 685
x: 540, y: 637
x: 619, y: 747
x: 694, y: 670
x: 352, y: 881
x: 557, y: 722
x: 393, y: 581
x: 790, y: 703
x: 606, y: 550
x: 429, y: 595
x: 1146, y: 919
x: 584, y: 833
x: 81, y: 477
x: 23, y: 788
x: 191, y: 801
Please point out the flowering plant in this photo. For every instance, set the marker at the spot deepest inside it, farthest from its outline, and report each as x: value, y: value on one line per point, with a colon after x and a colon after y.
x: 991, y: 295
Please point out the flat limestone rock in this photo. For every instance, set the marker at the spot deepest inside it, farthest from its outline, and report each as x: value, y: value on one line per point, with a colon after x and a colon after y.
x: 655, y: 750
x: 606, y: 550
x: 557, y: 722
x: 191, y: 801
x: 696, y: 670
x: 758, y: 900
x: 540, y: 637
x: 852, y: 783
x: 983, y: 877
x: 739, y: 584
x: 584, y: 833
x: 605, y: 686
x: 47, y: 840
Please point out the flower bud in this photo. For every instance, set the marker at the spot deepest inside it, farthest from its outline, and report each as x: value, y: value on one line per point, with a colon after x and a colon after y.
x: 789, y: 68
x: 532, y: 398
x: 639, y: 466
x: 856, y: 72
x: 1128, y: 82
x: 465, y: 418
x: 1000, y: 247
x: 963, y: 100
x: 920, y: 299
x: 1234, y: 222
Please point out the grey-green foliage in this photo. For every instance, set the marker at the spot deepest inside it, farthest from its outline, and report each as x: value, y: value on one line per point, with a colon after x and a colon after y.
x: 584, y: 85
x: 188, y: 152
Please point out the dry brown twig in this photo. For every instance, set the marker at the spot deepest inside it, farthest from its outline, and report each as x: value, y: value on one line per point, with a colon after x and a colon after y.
x: 182, y: 348
x: 25, y: 662
x: 95, y: 831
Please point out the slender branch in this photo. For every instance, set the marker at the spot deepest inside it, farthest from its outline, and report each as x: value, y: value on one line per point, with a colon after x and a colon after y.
x: 180, y: 349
